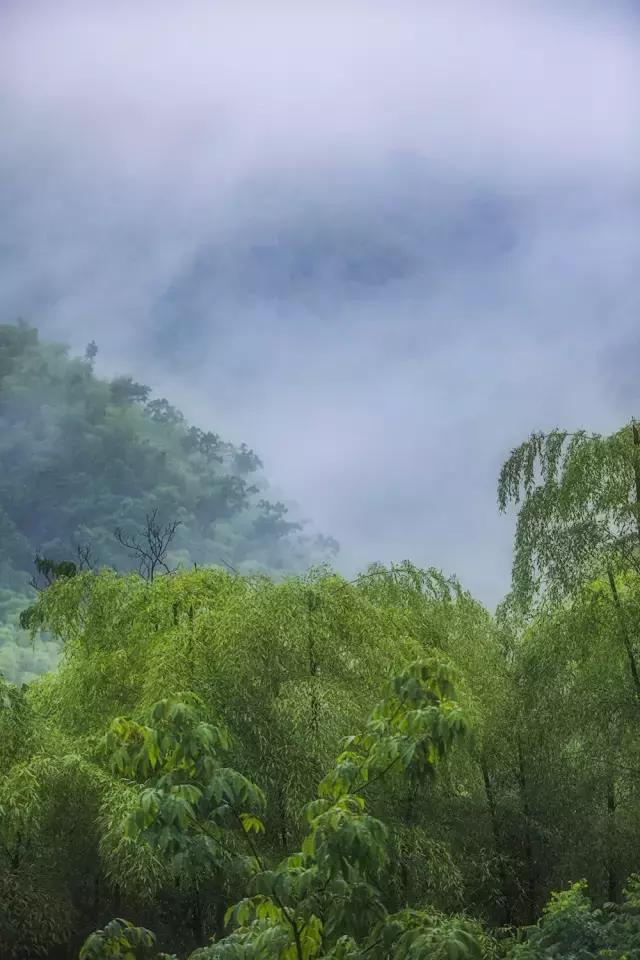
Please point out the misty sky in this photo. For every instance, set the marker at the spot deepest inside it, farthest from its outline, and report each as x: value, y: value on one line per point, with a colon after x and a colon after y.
x: 380, y: 242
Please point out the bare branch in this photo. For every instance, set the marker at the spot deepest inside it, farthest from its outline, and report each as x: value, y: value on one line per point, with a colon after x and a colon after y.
x: 85, y: 557
x: 229, y: 566
x: 150, y: 551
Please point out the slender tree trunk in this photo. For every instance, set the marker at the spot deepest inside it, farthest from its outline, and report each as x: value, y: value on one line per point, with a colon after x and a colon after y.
x: 314, y: 667
x: 315, y: 705
x: 15, y: 857
x: 96, y: 898
x: 405, y: 873
x: 612, y: 878
x: 528, y: 840
x: 197, y: 920
x: 495, y: 829
x: 633, y: 665
x: 220, y: 902
x: 282, y: 814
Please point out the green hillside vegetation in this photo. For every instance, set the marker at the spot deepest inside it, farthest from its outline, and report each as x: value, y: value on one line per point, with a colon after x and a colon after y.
x: 82, y: 456
x: 235, y: 765
x: 235, y: 695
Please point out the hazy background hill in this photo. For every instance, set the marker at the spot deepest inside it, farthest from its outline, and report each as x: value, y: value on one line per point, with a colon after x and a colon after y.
x: 82, y: 456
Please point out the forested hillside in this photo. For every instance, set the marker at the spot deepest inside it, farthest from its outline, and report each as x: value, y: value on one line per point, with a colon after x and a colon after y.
x: 82, y: 457
x: 240, y: 766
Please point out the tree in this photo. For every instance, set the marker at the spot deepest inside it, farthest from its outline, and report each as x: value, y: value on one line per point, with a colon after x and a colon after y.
x: 126, y: 390
x: 580, y: 508
x: 91, y: 352
x: 119, y: 938
x: 580, y: 517
x: 289, y: 669
x: 583, y: 757
x: 542, y: 792
x: 188, y: 800
x: 151, y: 550
x: 323, y: 901
x: 570, y: 926
x: 48, y: 571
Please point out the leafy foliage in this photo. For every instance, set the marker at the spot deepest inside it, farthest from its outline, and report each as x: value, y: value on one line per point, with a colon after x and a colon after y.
x: 324, y: 901
x: 120, y: 939
x: 188, y: 798
x: 570, y: 926
x: 580, y: 507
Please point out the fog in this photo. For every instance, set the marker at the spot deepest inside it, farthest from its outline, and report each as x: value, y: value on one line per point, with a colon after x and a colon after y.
x: 380, y: 243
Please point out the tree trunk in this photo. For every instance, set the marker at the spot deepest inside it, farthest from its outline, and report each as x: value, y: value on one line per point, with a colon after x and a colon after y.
x: 612, y: 878
x: 528, y: 840
x: 197, y: 920
x: 495, y: 829
x: 282, y: 815
x: 220, y: 909
x: 314, y: 667
x: 96, y: 898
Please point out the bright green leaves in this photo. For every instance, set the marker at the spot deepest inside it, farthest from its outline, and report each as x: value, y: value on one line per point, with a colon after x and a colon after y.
x: 20, y: 805
x: 324, y: 901
x: 188, y: 798
x: 410, y: 730
x: 176, y: 741
x: 119, y: 939
x: 571, y: 927
x: 422, y: 935
x: 265, y: 933
x: 233, y: 794
x: 16, y: 732
x: 260, y: 907
x: 251, y: 823
x: 263, y: 940
x: 335, y: 874
x: 350, y: 773
x: 311, y: 937
x: 345, y: 841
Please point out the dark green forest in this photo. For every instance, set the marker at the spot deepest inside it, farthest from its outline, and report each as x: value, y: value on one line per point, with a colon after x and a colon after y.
x: 214, y: 746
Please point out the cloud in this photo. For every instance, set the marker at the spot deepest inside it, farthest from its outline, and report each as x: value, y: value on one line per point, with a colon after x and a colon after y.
x: 256, y: 84
x: 380, y: 242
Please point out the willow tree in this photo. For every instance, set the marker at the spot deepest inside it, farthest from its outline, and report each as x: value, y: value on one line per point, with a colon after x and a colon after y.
x: 579, y: 517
